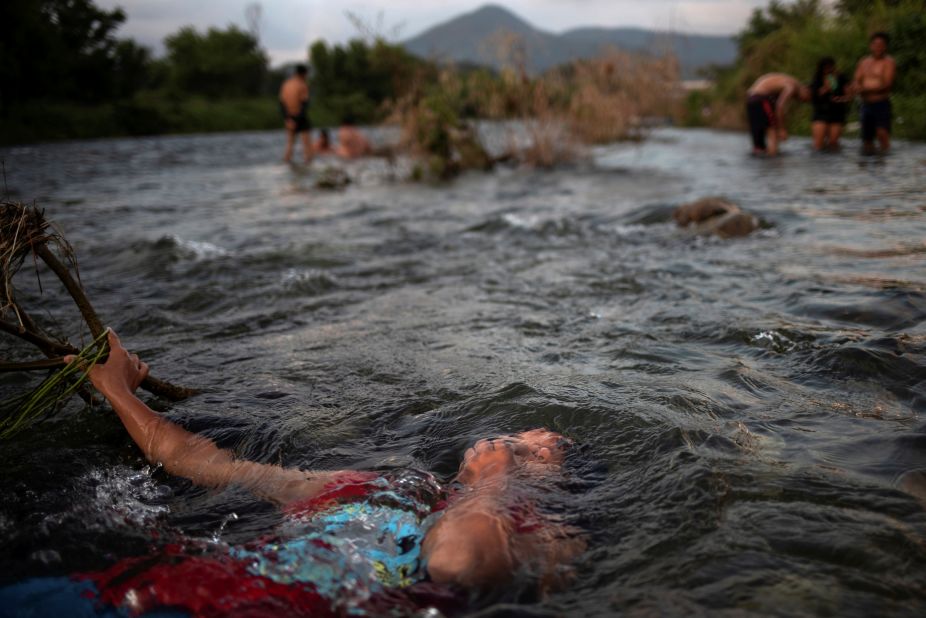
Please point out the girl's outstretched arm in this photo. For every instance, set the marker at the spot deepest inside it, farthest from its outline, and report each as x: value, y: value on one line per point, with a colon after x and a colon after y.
x: 187, y: 454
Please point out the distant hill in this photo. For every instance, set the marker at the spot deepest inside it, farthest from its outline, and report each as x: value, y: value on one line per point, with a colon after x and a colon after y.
x: 469, y: 37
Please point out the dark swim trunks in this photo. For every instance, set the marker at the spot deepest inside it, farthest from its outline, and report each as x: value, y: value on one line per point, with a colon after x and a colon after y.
x: 760, y: 110
x: 875, y: 116
x: 301, y: 119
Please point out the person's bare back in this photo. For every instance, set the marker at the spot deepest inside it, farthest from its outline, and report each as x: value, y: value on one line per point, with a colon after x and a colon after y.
x: 768, y: 100
x: 352, y: 143
x: 294, y: 103
x: 775, y: 85
x: 293, y: 94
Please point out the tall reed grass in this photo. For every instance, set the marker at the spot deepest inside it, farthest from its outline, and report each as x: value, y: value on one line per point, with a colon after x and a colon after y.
x: 596, y: 101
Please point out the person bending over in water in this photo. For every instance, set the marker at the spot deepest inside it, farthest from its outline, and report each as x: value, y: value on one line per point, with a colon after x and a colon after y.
x: 355, y: 538
x: 874, y: 80
x: 294, y: 104
x: 766, y: 106
x: 830, y: 104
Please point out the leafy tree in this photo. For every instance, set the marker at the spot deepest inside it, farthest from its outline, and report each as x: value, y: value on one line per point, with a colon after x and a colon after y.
x: 860, y: 7
x: 353, y: 82
x: 219, y: 63
x: 774, y: 18
x: 64, y: 49
x: 908, y: 48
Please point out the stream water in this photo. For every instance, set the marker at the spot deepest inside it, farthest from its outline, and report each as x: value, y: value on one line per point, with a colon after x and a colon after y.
x: 747, y: 412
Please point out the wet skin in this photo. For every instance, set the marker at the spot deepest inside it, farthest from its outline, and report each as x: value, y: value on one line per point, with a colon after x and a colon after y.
x: 476, y: 543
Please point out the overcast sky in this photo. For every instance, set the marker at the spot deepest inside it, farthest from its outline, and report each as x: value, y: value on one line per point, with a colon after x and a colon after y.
x: 288, y: 26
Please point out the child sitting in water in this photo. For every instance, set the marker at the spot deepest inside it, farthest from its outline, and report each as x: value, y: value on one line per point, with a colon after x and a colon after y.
x: 352, y: 538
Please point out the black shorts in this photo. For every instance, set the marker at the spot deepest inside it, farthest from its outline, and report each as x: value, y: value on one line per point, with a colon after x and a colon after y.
x: 302, y: 123
x: 761, y: 113
x: 875, y: 116
x: 301, y: 119
x: 830, y: 114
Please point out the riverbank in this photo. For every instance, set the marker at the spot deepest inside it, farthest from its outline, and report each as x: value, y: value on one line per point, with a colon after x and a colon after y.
x: 143, y: 115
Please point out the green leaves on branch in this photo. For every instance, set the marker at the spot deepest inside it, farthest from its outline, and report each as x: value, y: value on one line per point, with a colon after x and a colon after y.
x: 22, y: 412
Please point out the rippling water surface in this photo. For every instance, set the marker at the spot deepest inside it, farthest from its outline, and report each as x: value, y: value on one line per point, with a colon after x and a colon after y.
x: 749, y: 411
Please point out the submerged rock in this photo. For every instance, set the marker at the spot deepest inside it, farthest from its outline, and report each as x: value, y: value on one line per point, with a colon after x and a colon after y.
x: 913, y: 482
x: 332, y: 178
x: 716, y: 215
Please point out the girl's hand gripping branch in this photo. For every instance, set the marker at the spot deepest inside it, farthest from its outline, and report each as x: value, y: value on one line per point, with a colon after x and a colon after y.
x: 121, y: 374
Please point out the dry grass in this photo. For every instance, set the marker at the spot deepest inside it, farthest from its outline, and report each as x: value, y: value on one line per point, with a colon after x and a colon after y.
x: 22, y: 230
x: 614, y: 93
x: 726, y: 115
x: 589, y: 102
x: 596, y: 101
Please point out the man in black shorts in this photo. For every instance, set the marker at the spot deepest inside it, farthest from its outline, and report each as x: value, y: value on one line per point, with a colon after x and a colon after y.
x: 766, y: 106
x: 294, y: 104
x: 874, y: 80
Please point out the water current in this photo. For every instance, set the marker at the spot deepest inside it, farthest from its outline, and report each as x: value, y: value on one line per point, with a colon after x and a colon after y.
x: 748, y: 412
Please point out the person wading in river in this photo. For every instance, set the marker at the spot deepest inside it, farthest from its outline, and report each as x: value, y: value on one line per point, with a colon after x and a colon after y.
x: 767, y: 102
x: 874, y: 81
x: 830, y: 105
x: 294, y: 104
x: 363, y: 536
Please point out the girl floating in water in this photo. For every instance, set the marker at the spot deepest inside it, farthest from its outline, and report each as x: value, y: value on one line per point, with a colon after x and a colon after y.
x: 353, y: 542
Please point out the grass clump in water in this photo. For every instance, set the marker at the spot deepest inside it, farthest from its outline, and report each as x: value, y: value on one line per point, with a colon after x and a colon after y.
x: 20, y: 413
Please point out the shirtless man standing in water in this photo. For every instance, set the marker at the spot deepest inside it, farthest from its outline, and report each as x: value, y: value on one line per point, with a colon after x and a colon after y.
x: 294, y: 103
x: 766, y: 106
x: 874, y: 80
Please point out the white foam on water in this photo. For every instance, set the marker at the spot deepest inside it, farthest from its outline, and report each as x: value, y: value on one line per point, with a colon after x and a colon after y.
x: 629, y: 230
x: 773, y: 339
x: 196, y: 249
x: 128, y: 495
x: 519, y: 221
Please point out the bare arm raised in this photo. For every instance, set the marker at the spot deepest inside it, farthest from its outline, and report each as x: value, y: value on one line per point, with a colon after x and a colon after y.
x: 186, y: 454
x: 478, y: 542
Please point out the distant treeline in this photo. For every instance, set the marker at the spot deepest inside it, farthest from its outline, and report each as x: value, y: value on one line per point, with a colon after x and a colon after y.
x: 64, y: 73
x: 792, y: 37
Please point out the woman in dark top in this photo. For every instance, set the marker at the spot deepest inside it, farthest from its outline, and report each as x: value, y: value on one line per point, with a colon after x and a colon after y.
x: 830, y: 105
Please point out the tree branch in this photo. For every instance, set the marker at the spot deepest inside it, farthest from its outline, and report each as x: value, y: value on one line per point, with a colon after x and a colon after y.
x: 29, y: 332
x: 73, y: 288
x: 49, y: 347
x: 48, y: 363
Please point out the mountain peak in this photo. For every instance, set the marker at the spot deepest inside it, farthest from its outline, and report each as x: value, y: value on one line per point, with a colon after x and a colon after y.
x: 494, y: 17
x: 494, y: 11
x: 468, y: 38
